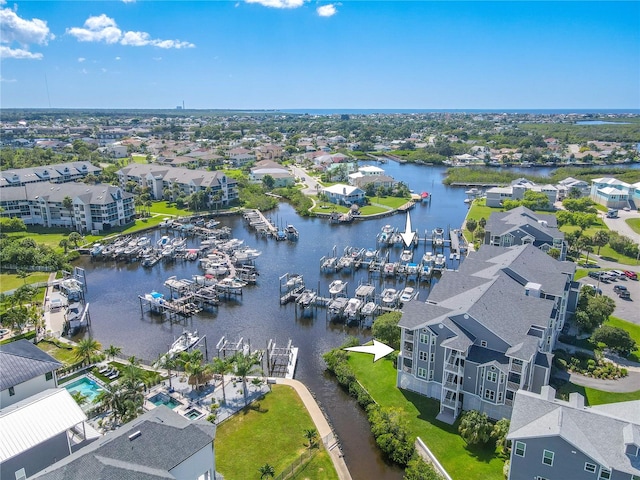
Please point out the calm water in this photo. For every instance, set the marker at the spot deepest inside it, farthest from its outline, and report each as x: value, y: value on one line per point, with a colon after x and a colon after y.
x: 113, y: 290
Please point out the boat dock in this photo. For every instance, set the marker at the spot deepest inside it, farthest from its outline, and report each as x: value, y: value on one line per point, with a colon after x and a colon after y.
x: 275, y: 361
x: 260, y: 223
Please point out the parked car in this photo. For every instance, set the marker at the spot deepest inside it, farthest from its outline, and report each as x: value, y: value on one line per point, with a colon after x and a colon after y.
x: 618, y: 273
x: 631, y: 275
x: 624, y: 294
x: 595, y: 289
x: 608, y: 277
x: 619, y: 288
x: 595, y: 275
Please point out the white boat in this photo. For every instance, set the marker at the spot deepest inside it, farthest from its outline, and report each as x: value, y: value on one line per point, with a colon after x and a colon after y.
x: 206, y: 280
x: 369, y: 309
x: 337, y: 287
x: 425, y: 271
x: 438, y: 237
x: 428, y: 258
x: 397, y: 240
x: 411, y: 270
x: 407, y: 294
x: 246, y: 255
x: 336, y: 306
x: 329, y: 264
x: 164, y: 241
x: 168, y: 251
x: 184, y: 342
x: 155, y: 298
x: 217, y: 269
x: 389, y: 297
x: 345, y: 263
x: 143, y: 242
x: 166, y: 222
x: 371, y: 254
x: 96, y: 249
x: 230, y: 283
x: 292, y: 233
x: 212, y: 224
x: 179, y: 242
x: 384, y: 237
x: 294, y: 281
x: 307, y: 298
x: 352, y: 308
x: 406, y: 255
x: 389, y: 269
x: 440, y: 262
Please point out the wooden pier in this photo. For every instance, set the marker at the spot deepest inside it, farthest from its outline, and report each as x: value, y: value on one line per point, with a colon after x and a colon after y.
x: 260, y: 223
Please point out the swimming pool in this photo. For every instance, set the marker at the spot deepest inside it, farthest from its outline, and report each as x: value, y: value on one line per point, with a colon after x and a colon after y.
x: 193, y: 414
x: 85, y: 386
x: 163, y: 399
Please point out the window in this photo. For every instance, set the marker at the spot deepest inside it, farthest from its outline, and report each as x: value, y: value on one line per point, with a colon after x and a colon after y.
x: 589, y: 467
x: 48, y: 376
x: 424, y: 338
x: 483, y: 343
x: 499, y: 397
x: 433, y: 357
x: 422, y: 373
x: 430, y: 374
x: 21, y: 474
x: 423, y: 355
x: 492, y: 376
x: 433, y: 339
x: 520, y: 448
x: 547, y: 457
x: 604, y: 474
x: 12, y: 391
x: 489, y: 394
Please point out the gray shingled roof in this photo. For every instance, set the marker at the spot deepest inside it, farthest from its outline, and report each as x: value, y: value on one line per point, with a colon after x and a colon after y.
x: 21, y: 361
x: 183, y: 176
x: 534, y: 416
x: 100, y: 194
x: 166, y: 440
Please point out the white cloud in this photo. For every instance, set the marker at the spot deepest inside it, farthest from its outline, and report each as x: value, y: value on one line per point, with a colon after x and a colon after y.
x: 84, y: 71
x: 278, y: 3
x: 117, y: 58
x: 128, y: 1
x: 7, y: 80
x: 81, y: 59
x: 14, y: 29
x: 18, y: 53
x: 157, y: 59
x: 104, y: 70
x: 327, y: 10
x: 105, y: 29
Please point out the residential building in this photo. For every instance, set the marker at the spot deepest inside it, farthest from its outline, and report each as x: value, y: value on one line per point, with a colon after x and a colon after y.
x: 222, y: 189
x: 94, y: 207
x: 613, y: 193
x: 280, y: 174
x: 486, y: 330
x: 515, y: 191
x: 26, y: 370
x: 269, y: 152
x: 341, y: 194
x: 40, y: 430
x: 60, y: 173
x: 160, y: 444
x: 522, y: 226
x: 241, y: 156
x: 570, y: 183
x: 552, y: 438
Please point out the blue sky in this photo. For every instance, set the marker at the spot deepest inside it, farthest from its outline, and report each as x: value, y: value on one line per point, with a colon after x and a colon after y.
x: 287, y: 54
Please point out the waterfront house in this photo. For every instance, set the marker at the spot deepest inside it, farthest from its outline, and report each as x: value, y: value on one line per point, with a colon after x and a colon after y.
x: 26, y: 370
x: 515, y: 191
x: 552, y: 438
x: 60, y: 173
x: 94, y: 207
x: 569, y: 183
x: 613, y: 193
x: 522, y: 226
x: 341, y: 194
x: 280, y: 174
x: 39, y: 431
x: 180, y: 180
x: 160, y: 444
x: 486, y: 330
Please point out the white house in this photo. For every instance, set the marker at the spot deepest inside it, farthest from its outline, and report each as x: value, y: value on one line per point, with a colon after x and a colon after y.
x: 341, y: 194
x: 613, y: 193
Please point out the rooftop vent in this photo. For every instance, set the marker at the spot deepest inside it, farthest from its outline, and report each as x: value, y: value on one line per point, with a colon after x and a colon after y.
x: 134, y: 435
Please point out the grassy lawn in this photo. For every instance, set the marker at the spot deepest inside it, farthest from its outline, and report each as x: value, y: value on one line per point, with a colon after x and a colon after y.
x: 634, y: 223
x: 58, y: 350
x: 458, y: 459
x: 139, y: 158
x: 166, y: 208
x: 11, y: 281
x: 392, y: 202
x: 274, y: 426
x: 598, y: 397
x: 319, y: 468
x: 580, y: 273
x: 47, y: 236
x: 372, y: 209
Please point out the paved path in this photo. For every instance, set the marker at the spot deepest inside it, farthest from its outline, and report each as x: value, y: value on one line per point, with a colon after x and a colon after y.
x: 630, y: 383
x: 324, y: 430
x: 620, y: 225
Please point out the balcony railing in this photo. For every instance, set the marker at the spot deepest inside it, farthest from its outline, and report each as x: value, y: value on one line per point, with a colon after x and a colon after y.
x: 451, y: 386
x: 513, y: 386
x: 452, y: 367
x: 516, y: 367
x: 449, y: 402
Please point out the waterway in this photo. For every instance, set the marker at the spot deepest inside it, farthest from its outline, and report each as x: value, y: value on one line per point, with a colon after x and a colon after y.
x: 113, y: 290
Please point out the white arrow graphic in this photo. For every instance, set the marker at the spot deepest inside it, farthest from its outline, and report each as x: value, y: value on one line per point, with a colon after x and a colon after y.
x: 378, y: 349
x: 407, y: 235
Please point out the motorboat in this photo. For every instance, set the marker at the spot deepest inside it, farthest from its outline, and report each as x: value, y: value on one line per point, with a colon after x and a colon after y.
x: 337, y: 287
x: 307, y: 298
x: 230, y: 283
x: 217, y: 269
x: 329, y: 264
x: 206, y: 280
x: 389, y: 297
x: 246, y: 255
x: 294, y: 281
x: 397, y: 240
x: 369, y: 309
x: 96, y: 249
x: 143, y: 242
x: 438, y: 236
x: 406, y: 255
x: 292, y: 233
x: 336, y: 307
x: 155, y: 298
x: 184, y: 342
x: 424, y: 196
x: 411, y: 269
x: 440, y: 262
x: 345, y: 263
x: 352, y: 308
x: 425, y: 271
x: 371, y: 254
x: 428, y: 258
x: 164, y: 241
x: 389, y: 269
x: 384, y: 237
x: 407, y: 294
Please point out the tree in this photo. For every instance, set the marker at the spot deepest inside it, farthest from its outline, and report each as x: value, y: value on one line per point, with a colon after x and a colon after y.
x: 554, y: 253
x: 23, y: 274
x: 600, y: 239
x: 472, y: 224
x: 267, y: 471
x: 482, y: 222
x: 221, y: 366
x: 75, y: 238
x: 385, y: 329
x: 475, y: 427
x: 593, y: 310
x: 67, y: 202
x: 499, y: 432
x: 244, y: 366
x: 112, y: 351
x: 311, y: 434
x: 193, y: 365
x: 614, y: 338
x: 86, y: 349
x: 269, y: 182
x: 79, y: 398
x: 64, y: 243
x: 418, y: 469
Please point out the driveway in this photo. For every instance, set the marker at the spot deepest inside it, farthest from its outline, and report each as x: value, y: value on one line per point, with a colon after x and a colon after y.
x: 313, y: 187
x: 619, y: 225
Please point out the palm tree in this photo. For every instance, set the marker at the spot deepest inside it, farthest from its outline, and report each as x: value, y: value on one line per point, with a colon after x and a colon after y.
x: 87, y: 348
x: 79, y: 398
x: 311, y: 434
x: 193, y: 365
x: 221, y: 366
x: 75, y: 238
x: 499, y: 432
x: 112, y: 351
x: 169, y: 363
x: 600, y: 239
x: 245, y: 365
x: 267, y: 471
x: 64, y: 243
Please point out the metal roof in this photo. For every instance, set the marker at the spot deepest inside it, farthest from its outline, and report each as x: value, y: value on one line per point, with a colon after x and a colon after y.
x: 30, y: 422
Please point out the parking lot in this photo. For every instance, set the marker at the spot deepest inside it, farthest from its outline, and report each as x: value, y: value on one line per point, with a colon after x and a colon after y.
x: 626, y: 309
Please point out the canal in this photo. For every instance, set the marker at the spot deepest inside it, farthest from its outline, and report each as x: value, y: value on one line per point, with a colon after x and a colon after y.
x: 113, y: 290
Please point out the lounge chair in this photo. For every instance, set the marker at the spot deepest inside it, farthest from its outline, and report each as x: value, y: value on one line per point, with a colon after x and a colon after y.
x: 114, y: 375
x: 103, y: 369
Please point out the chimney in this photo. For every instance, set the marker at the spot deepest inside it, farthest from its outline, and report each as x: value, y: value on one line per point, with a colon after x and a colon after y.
x: 576, y: 400
x: 548, y: 393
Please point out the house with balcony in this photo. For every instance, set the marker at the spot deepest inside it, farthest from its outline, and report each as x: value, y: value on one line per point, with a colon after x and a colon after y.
x: 159, y: 444
x: 222, y: 190
x: 516, y: 190
x: 565, y: 186
x: 94, y: 207
x: 486, y: 330
x: 522, y: 226
x: 281, y: 175
x: 60, y: 173
x: 552, y: 438
x: 614, y: 193
x: 347, y: 195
